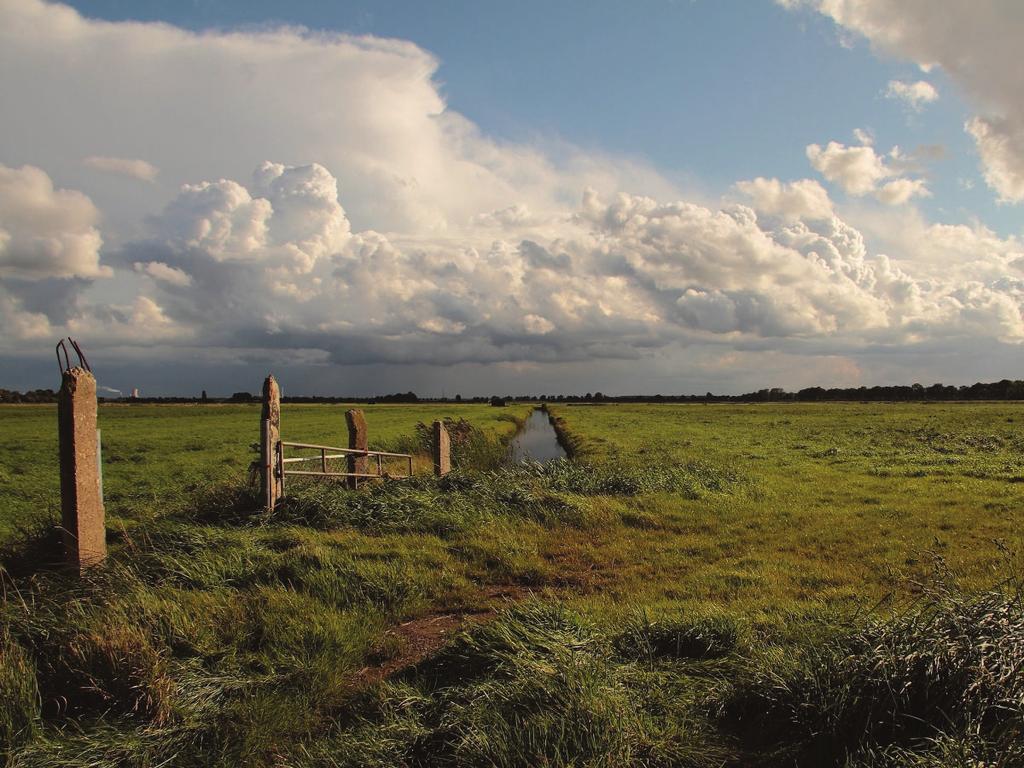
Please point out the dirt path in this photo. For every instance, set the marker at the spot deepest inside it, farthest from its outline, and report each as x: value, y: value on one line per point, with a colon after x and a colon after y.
x: 421, y: 638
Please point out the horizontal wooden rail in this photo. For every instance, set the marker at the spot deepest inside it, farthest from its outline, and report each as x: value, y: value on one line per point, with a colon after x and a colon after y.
x: 344, y: 450
x: 319, y: 458
x: 339, y: 453
x: 333, y: 474
x: 346, y: 455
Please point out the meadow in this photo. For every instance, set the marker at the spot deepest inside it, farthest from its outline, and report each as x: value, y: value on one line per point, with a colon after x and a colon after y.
x: 157, y: 456
x: 700, y: 585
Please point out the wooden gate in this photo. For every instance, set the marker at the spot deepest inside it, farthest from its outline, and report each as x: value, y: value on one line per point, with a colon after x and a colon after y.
x: 277, y: 467
x: 274, y: 466
x: 328, y: 452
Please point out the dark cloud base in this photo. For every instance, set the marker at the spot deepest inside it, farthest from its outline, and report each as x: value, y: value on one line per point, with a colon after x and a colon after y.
x: 695, y: 370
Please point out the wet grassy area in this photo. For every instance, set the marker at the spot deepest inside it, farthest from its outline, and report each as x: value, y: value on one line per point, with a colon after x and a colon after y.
x: 701, y: 585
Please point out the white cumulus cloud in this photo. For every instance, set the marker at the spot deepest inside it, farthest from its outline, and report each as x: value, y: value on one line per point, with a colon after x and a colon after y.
x: 899, y: 191
x: 367, y: 108
x: 1001, y: 148
x: 123, y: 166
x: 977, y: 44
x: 915, y: 95
x: 859, y: 170
x: 220, y: 218
x: 615, y: 278
x: 46, y: 232
x: 803, y: 199
x: 856, y: 169
x: 160, y: 271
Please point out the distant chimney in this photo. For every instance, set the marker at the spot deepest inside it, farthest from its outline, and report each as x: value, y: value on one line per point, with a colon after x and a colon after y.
x: 135, y: 393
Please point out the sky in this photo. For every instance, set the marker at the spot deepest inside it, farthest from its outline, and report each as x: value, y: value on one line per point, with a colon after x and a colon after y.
x: 482, y: 197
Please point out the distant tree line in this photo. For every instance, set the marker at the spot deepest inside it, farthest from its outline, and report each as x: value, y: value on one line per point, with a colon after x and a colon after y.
x: 33, y: 396
x: 999, y: 390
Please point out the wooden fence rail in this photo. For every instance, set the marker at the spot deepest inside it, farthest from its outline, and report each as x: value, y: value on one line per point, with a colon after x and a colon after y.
x: 274, y: 468
x: 328, y: 452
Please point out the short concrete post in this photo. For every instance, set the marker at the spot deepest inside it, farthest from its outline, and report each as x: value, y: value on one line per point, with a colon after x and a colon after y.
x: 270, y: 438
x: 81, y: 499
x: 442, y: 447
x: 357, y: 440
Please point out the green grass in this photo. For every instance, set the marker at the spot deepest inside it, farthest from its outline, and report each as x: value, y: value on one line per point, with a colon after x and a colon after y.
x: 701, y: 586
x: 156, y: 456
x: 838, y: 503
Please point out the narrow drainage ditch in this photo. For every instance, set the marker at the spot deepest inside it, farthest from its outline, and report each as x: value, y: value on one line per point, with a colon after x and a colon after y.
x: 536, y: 440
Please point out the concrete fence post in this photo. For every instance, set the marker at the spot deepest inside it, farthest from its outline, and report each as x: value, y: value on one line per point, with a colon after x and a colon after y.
x: 81, y: 497
x: 271, y: 484
x: 357, y: 440
x: 442, y: 447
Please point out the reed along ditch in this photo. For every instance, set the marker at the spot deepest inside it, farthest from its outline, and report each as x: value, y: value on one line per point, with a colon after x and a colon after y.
x: 536, y: 441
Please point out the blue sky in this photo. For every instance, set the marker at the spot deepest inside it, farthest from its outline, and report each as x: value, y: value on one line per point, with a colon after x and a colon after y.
x: 221, y: 183
x: 709, y: 92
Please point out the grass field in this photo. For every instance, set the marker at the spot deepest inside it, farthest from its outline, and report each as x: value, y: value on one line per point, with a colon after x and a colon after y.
x: 157, y: 455
x: 701, y: 586
x: 838, y: 502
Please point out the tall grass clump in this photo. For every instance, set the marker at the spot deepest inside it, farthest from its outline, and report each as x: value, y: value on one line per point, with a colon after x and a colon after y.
x: 706, y: 635
x: 90, y: 650
x: 471, y: 447
x: 19, y: 695
x: 555, y: 493
x: 942, y: 684
x: 544, y: 686
x: 382, y: 727
x: 191, y: 646
x: 540, y: 685
x: 416, y: 505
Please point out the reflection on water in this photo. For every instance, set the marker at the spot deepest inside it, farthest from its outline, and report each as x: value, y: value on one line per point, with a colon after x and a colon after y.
x: 536, y: 441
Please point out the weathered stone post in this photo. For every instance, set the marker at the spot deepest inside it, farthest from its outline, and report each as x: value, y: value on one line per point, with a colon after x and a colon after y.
x: 271, y: 485
x: 357, y: 440
x: 81, y: 499
x: 442, y: 450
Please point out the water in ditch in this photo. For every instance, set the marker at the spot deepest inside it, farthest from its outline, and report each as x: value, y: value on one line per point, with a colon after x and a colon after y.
x: 536, y: 441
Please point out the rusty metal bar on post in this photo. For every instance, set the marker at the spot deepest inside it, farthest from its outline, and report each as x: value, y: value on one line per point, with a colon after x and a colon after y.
x: 322, y: 473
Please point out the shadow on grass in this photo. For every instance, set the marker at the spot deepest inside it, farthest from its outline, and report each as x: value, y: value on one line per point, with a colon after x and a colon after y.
x: 36, y: 546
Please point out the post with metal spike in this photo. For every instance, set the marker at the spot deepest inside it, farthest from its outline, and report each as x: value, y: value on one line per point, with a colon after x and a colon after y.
x: 270, y: 444
x: 442, y: 450
x: 357, y: 440
x: 81, y: 497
